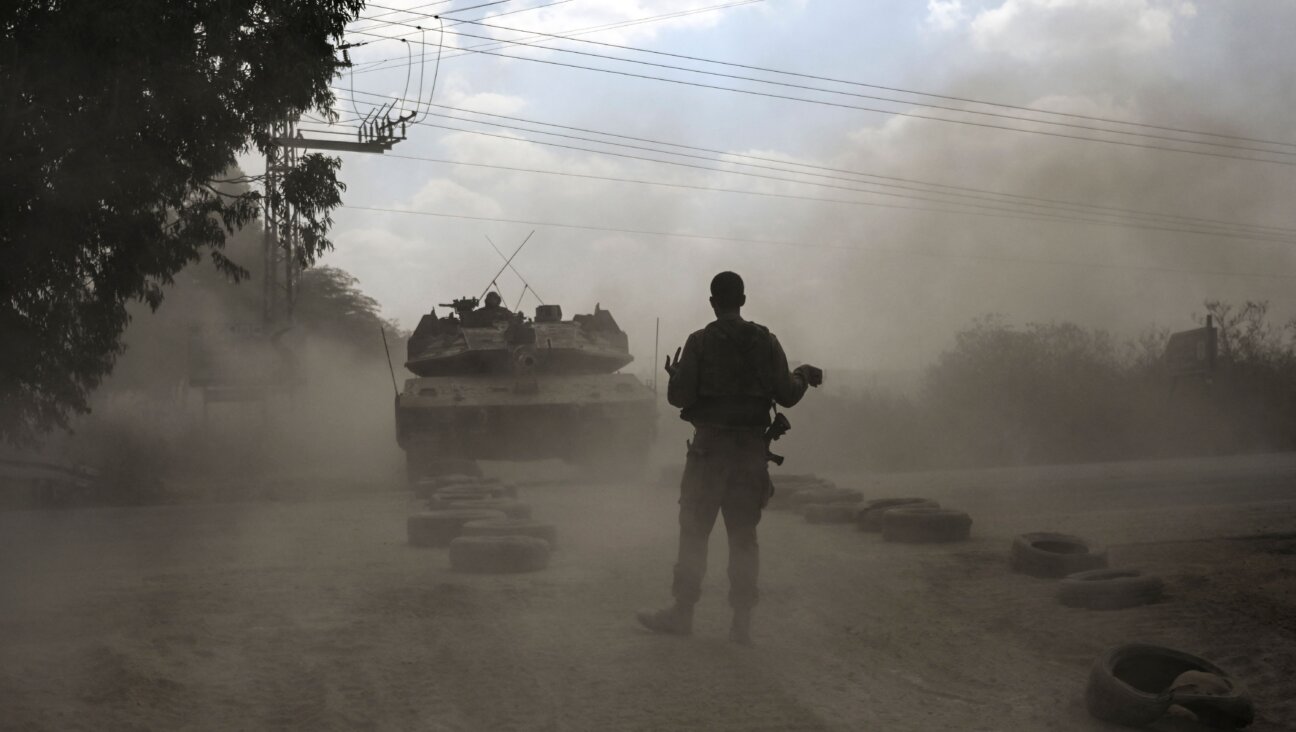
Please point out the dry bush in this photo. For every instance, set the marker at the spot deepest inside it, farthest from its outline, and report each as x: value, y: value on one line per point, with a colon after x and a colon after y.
x: 1057, y: 393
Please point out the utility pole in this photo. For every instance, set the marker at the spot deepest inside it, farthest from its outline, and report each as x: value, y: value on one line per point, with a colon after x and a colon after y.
x: 281, y: 269
x: 378, y: 131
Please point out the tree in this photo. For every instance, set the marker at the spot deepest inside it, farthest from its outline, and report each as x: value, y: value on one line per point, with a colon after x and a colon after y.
x: 331, y: 304
x: 1042, y: 392
x: 118, y: 122
x: 1244, y: 334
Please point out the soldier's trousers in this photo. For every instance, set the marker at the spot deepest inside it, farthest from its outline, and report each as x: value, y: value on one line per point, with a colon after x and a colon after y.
x: 726, y: 473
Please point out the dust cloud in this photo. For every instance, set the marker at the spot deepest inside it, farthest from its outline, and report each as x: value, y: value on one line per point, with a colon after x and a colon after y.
x: 245, y: 562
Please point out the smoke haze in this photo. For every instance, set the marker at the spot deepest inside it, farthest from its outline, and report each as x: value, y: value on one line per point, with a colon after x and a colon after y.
x: 867, y: 286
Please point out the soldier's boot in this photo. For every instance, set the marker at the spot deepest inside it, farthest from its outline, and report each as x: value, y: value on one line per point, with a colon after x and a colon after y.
x: 674, y: 620
x: 740, y: 630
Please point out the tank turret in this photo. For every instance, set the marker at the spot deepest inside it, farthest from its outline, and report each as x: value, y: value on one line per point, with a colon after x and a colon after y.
x: 494, y: 384
x: 478, y: 342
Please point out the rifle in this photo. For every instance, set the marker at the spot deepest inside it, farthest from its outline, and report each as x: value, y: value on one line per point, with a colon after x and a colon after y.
x: 777, y: 429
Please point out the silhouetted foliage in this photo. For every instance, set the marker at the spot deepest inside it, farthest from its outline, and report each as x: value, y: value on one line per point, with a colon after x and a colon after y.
x: 331, y: 305
x: 118, y: 121
x: 1056, y: 392
x: 1025, y: 394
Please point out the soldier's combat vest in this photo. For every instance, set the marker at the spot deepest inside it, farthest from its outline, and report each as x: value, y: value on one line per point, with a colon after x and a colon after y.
x: 735, y: 375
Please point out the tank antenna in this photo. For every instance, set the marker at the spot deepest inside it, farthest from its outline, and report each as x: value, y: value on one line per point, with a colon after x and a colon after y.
x: 516, y: 272
x: 507, y: 262
x: 656, y: 343
x: 390, y: 368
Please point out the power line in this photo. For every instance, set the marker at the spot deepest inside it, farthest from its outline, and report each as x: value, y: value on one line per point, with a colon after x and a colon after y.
x: 956, y: 110
x: 952, y: 190
x: 717, y: 189
x: 421, y: 30
x: 1226, y: 229
x: 971, y: 192
x: 624, y: 23
x: 842, y: 105
x: 977, y: 210
x: 351, y: 133
x: 578, y: 31
x: 409, y: 11
x: 1037, y: 110
x: 949, y: 97
x: 403, y: 38
x: 1038, y: 216
x: 775, y: 242
x: 1216, y: 228
x: 470, y: 7
x: 989, y: 213
x: 452, y: 21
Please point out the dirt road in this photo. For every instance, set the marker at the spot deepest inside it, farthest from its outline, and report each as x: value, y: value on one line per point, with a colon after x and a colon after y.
x: 316, y: 615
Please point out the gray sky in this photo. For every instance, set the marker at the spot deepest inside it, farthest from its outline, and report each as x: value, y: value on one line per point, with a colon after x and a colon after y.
x: 844, y: 275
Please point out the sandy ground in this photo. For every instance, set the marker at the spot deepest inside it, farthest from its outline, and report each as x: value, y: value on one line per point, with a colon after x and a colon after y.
x: 315, y: 614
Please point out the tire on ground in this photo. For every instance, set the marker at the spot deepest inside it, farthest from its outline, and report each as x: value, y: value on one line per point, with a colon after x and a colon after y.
x: 510, y: 507
x: 420, y: 467
x: 443, y: 497
x: 1109, y: 589
x: 785, y: 495
x: 794, y: 480
x: 498, y: 554
x: 830, y: 513
x: 494, y: 486
x: 439, y: 528
x: 823, y: 495
x: 454, y: 478
x: 494, y: 489
x: 869, y: 516
x: 925, y: 524
x: 442, y: 500
x: 1135, y: 684
x: 1046, y: 554
x: 426, y: 486
x: 513, y: 527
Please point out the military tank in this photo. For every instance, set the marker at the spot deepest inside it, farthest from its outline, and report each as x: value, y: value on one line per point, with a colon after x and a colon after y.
x: 495, y: 385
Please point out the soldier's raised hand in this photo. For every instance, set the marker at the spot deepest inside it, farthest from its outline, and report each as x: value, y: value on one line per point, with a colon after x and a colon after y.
x: 671, y: 368
x: 812, y: 375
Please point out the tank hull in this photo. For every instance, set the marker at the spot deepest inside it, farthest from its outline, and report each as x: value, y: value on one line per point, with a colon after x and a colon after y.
x: 586, y: 418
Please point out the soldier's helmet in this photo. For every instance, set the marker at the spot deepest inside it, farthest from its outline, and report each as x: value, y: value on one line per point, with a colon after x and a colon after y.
x: 492, y: 299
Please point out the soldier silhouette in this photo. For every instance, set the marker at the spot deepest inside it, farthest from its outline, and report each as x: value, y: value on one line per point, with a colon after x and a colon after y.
x: 725, y: 382
x: 493, y: 310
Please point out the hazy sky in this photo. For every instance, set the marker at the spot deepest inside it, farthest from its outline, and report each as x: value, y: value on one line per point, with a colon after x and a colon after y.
x: 844, y: 273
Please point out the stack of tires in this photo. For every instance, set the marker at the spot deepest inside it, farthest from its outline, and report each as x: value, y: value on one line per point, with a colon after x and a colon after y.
x: 792, y: 491
x: 923, y: 524
x: 822, y: 502
x: 468, y: 485
x: 1081, y: 566
x: 826, y: 504
x: 819, y: 500
x: 913, y: 520
x: 870, y: 515
x: 484, y: 525
x: 1137, y: 683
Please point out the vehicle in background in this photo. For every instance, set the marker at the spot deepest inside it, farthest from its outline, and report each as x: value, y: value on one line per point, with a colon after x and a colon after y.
x: 495, y: 385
